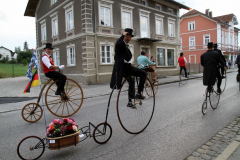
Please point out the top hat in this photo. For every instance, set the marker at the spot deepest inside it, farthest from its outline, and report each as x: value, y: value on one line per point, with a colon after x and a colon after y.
x: 181, y: 54
x: 48, y: 45
x: 215, y: 44
x: 210, y: 45
x: 130, y: 31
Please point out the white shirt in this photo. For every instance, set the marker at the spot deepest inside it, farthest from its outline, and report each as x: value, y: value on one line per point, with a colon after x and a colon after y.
x: 46, y: 60
x: 128, y: 48
x: 185, y: 60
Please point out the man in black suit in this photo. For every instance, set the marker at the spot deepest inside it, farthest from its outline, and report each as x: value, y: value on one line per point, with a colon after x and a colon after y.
x: 220, y: 67
x: 123, y: 68
x: 210, y: 60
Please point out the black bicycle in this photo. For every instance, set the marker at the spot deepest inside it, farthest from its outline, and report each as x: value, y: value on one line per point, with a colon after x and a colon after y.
x: 182, y: 79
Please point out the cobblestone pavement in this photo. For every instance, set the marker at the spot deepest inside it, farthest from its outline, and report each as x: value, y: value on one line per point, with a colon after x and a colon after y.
x: 224, y: 145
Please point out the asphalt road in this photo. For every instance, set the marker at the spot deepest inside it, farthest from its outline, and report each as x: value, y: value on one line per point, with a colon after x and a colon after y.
x: 176, y: 130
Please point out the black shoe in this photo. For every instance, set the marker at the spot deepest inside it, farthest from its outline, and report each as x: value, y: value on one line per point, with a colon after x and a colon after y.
x: 139, y: 96
x: 219, y: 90
x: 58, y: 93
x: 130, y: 104
x: 223, y: 77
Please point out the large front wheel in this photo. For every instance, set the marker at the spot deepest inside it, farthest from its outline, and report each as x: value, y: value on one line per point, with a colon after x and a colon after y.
x: 134, y: 119
x: 31, y: 147
x: 64, y: 105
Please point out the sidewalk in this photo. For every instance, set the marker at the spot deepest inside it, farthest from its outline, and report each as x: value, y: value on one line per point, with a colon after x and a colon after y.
x: 224, y: 145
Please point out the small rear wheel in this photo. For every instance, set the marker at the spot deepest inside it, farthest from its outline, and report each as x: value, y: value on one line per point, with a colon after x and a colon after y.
x: 31, y: 147
x: 204, y: 108
x: 183, y: 79
x: 32, y: 112
x: 102, y: 133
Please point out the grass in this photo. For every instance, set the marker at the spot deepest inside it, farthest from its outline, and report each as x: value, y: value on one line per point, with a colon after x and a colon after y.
x: 6, y: 70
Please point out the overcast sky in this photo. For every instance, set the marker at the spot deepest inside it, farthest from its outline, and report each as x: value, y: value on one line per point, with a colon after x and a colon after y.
x: 15, y: 29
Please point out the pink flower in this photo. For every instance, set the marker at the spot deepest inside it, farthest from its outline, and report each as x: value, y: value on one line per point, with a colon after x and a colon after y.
x: 60, y: 122
x: 74, y: 123
x: 51, y: 124
x: 65, y: 120
x: 70, y: 121
x: 56, y: 121
x: 74, y: 128
x: 48, y: 130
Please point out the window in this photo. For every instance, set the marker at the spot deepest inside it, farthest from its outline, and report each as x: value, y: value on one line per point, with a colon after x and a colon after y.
x: 231, y: 38
x: 144, y: 23
x: 159, y: 27
x: 71, y: 55
x: 171, y: 27
x: 56, y: 57
x: 106, y: 54
x: 170, y: 10
x: 191, y: 42
x: 126, y: 16
x: 191, y: 25
x: 143, y: 2
x: 161, y: 57
x: 226, y: 38
x: 54, y: 24
x: 105, y: 16
x: 235, y: 41
x: 69, y: 17
x: 53, y: 1
x: 158, y: 7
x: 170, y: 57
x: 43, y: 30
x: 206, y: 39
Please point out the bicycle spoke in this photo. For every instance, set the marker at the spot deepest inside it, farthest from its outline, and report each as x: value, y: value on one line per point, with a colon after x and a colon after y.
x: 55, y: 105
x: 52, y: 90
x: 73, y: 91
x: 52, y: 100
x: 58, y: 107
x: 71, y: 106
x: 76, y: 99
x: 67, y: 108
x: 73, y: 102
x: 71, y: 88
x: 63, y: 107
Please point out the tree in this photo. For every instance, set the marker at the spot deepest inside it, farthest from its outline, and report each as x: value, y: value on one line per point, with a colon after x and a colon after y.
x: 17, y: 49
x: 7, y: 58
x: 25, y: 46
x: 24, y: 55
x: 1, y: 56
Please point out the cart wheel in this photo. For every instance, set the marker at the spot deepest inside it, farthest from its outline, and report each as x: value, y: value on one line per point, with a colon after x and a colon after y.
x: 102, y: 133
x: 31, y: 147
x: 32, y: 112
x: 67, y: 105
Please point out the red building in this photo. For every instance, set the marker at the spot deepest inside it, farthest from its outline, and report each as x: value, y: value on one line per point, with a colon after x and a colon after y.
x: 197, y: 29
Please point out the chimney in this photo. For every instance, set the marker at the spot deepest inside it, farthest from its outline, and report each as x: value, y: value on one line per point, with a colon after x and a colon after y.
x: 207, y: 12
x: 210, y: 13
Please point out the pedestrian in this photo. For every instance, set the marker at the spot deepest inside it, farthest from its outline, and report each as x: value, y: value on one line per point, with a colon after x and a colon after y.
x: 182, y: 60
x: 152, y: 59
x: 210, y: 61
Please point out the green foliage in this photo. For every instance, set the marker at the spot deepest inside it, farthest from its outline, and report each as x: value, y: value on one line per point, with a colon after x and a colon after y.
x: 25, y: 46
x: 24, y: 62
x: 1, y: 56
x: 2, y: 74
x: 13, y: 61
x: 226, y: 56
x: 24, y: 55
x: 17, y: 49
x: 3, y: 60
x: 7, y: 58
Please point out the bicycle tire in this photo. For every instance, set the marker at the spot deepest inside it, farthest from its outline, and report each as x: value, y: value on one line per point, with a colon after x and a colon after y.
x: 24, y: 148
x: 102, y: 133
x: 183, y: 79
x: 35, y: 116
x: 214, y: 98
x: 154, y: 84
x: 224, y: 82
x: 204, y: 108
x: 132, y: 119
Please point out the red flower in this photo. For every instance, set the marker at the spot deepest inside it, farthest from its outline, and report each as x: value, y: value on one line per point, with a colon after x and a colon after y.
x: 69, y: 127
x: 51, y: 127
x: 65, y: 120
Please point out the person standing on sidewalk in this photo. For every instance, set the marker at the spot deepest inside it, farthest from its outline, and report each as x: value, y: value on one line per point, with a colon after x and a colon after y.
x: 182, y: 60
x: 122, y: 67
x: 50, y: 69
x: 222, y: 67
x: 210, y: 61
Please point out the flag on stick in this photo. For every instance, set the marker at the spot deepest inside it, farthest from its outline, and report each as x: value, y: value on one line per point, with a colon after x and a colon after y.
x: 33, y: 64
x: 33, y: 82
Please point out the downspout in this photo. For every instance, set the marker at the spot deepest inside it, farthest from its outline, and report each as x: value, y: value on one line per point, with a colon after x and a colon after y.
x: 95, y: 40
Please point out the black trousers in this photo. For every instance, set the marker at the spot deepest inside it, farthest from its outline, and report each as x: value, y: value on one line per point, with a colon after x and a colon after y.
x: 219, y: 77
x: 134, y: 71
x: 238, y: 69
x: 184, y: 70
x: 57, y: 75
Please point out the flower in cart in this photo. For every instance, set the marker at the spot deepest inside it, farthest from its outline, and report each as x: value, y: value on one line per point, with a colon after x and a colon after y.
x: 51, y: 124
x: 74, y: 123
x: 60, y: 123
x: 71, y: 119
x: 74, y: 128
x: 65, y: 120
x: 69, y: 128
x: 56, y: 121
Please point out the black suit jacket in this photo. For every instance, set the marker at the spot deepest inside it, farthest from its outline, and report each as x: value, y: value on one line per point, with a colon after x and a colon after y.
x: 210, y: 61
x: 221, y: 55
x: 121, y: 53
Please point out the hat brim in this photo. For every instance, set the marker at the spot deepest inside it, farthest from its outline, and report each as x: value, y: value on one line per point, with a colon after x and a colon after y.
x: 48, y: 47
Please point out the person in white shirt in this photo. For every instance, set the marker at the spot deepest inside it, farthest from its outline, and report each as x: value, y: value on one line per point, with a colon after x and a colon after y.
x: 50, y: 69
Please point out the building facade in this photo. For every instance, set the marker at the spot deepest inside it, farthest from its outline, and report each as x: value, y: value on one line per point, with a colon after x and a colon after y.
x: 7, y: 53
x: 84, y: 33
x: 197, y: 29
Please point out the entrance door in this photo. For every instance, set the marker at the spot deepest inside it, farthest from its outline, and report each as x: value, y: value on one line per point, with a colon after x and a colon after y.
x: 144, y: 26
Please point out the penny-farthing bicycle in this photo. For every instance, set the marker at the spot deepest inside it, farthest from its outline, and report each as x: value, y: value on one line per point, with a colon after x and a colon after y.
x: 213, y: 97
x: 182, y: 79
x: 223, y: 84
x: 61, y: 106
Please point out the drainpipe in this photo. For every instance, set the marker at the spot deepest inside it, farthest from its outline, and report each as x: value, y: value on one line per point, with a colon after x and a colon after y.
x: 95, y: 40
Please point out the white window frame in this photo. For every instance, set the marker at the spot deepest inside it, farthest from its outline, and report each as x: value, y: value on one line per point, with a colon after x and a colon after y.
x: 53, y: 2
x: 141, y: 2
x: 160, y: 19
x: 158, y: 7
x: 111, y: 52
x: 171, y: 21
x: 69, y: 57
x: 191, y: 25
x: 54, y: 28
x: 69, y: 9
x: 226, y: 35
x: 222, y: 37
x: 126, y: 9
x: 105, y: 4
x: 174, y: 56
x: 164, y: 57
x: 144, y: 13
x: 55, y: 57
x: 204, y: 40
x: 194, y: 40
x: 190, y: 58
x: 43, y: 30
x: 170, y: 11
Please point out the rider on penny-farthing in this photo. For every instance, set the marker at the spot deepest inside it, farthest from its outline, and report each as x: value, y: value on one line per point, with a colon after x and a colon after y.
x: 123, y: 68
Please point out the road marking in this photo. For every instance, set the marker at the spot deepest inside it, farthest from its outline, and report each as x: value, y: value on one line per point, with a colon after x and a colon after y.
x: 228, y: 151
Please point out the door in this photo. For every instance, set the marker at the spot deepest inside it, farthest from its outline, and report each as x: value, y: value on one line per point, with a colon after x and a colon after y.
x: 144, y: 26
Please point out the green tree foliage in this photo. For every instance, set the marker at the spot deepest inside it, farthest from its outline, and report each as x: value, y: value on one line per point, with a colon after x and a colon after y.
x: 25, y: 46
x: 17, y: 49
x: 1, y: 56
x: 24, y: 62
x: 24, y: 55
x: 7, y: 58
